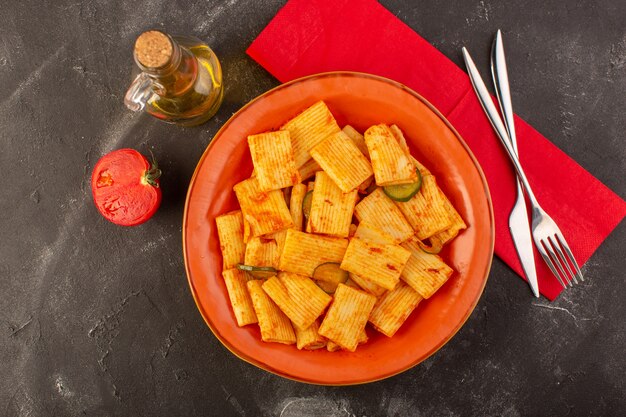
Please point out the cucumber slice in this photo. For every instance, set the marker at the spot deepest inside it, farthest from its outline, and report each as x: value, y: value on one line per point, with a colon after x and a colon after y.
x: 432, y: 249
x: 258, y: 271
x: 404, y: 192
x: 328, y: 276
x: 306, y: 205
x: 327, y: 287
x: 331, y: 273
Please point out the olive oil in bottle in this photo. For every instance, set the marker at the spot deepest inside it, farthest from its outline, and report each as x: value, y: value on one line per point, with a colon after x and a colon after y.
x: 180, y: 80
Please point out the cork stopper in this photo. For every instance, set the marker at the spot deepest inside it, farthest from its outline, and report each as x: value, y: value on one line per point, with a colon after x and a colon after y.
x: 153, y: 49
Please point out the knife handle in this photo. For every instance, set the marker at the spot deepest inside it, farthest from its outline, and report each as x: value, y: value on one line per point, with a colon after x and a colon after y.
x: 501, y: 83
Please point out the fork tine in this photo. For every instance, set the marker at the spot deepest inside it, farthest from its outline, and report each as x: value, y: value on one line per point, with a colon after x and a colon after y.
x: 569, y: 253
x: 557, y: 248
x: 555, y: 259
x: 542, y: 250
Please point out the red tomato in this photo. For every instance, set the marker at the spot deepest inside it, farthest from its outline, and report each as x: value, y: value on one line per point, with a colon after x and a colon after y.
x: 125, y: 187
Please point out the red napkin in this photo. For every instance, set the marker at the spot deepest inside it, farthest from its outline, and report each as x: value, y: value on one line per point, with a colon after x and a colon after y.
x: 311, y: 36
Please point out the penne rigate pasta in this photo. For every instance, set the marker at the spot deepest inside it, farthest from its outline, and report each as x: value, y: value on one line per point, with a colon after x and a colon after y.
x: 451, y: 232
x: 390, y: 161
x: 309, y: 169
x: 399, y: 136
x: 367, y: 231
x: 427, y: 210
x: 367, y: 285
x: 230, y: 231
x: 331, y: 209
x: 280, y: 237
x: 240, y: 301
x: 341, y: 159
x: 393, y: 308
x: 424, y: 272
x: 378, y: 210
x: 262, y: 251
x: 363, y: 338
x: 309, y: 338
x: 304, y: 252
x: 247, y: 232
x: 363, y: 188
x: 274, y: 325
x: 272, y: 157
x: 334, y: 347
x: 352, y: 231
x: 298, y: 297
x: 383, y: 263
x: 295, y: 205
x: 347, y: 316
x: 308, y: 129
x: 358, y: 140
x: 265, y: 212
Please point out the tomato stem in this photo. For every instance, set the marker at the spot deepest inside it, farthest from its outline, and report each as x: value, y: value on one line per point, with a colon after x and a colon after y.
x: 151, y: 175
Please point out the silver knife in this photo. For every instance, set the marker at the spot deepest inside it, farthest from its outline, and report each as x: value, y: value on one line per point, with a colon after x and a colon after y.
x: 519, y: 224
x: 490, y: 110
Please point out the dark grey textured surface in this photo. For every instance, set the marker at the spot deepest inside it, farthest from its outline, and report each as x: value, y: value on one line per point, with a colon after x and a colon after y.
x: 97, y: 320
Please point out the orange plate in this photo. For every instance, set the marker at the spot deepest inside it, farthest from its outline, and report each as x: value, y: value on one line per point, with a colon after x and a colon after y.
x: 360, y: 100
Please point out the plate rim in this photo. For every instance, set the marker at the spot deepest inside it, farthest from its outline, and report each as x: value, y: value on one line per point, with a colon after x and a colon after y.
x: 475, y: 162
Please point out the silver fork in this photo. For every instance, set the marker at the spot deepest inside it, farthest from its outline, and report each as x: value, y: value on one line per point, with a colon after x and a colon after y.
x: 546, y: 234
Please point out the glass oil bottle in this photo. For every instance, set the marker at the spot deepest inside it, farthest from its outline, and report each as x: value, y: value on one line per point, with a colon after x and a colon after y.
x: 180, y: 80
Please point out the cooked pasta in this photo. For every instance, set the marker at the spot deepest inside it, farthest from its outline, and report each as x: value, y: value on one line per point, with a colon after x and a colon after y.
x: 329, y: 235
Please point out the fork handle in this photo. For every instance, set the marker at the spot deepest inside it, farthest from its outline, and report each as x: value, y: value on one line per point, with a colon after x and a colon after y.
x: 494, y: 118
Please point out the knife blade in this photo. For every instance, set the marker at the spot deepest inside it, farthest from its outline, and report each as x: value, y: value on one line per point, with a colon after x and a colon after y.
x: 520, y: 232
x: 519, y: 224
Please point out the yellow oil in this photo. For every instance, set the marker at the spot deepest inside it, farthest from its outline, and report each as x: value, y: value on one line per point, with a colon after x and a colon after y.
x: 193, y: 93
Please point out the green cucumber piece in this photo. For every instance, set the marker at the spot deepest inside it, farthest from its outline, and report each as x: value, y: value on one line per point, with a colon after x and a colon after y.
x: 258, y: 271
x: 306, y: 205
x: 404, y: 192
x: 327, y: 287
x: 331, y: 273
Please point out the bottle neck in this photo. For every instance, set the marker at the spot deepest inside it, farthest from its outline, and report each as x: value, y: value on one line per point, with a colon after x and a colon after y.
x: 176, y: 76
